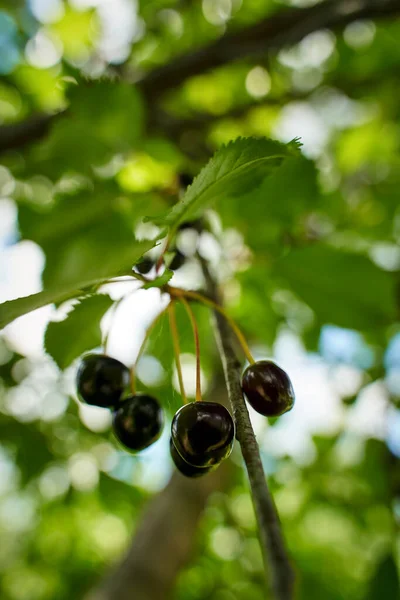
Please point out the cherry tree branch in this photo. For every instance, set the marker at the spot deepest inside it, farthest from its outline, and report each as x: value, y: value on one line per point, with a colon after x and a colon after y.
x: 286, y: 27
x: 18, y: 135
x: 276, y: 559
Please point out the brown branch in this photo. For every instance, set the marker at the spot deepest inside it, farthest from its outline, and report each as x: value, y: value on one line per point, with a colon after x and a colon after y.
x: 286, y: 27
x: 18, y: 135
x: 162, y: 544
x: 276, y: 560
x: 200, y: 122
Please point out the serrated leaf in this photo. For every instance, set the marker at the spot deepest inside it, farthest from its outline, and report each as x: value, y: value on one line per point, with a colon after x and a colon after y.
x: 342, y: 288
x: 79, y: 332
x: 79, y: 230
x: 117, y: 262
x: 234, y: 170
x: 159, y: 281
x: 278, y: 206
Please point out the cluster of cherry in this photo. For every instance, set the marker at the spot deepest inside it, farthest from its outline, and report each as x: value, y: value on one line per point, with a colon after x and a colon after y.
x: 202, y: 433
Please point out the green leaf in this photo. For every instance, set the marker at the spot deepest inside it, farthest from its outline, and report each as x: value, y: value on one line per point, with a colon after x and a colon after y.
x: 111, y: 262
x: 159, y: 281
x: 234, y: 170
x: 79, y: 332
x: 342, y: 288
x: 70, y: 215
x: 386, y: 582
x: 278, y: 206
x: 80, y: 229
x: 32, y: 453
x: 103, y: 118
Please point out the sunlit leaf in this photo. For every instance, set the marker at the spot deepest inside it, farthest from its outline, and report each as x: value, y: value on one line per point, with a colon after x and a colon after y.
x: 234, y: 170
x: 72, y: 283
x: 80, y: 331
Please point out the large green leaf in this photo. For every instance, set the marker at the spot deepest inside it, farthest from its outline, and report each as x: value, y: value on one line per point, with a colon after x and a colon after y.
x: 277, y: 207
x: 342, y: 288
x: 86, y: 238
x: 80, y: 229
x: 80, y: 331
x: 107, y: 247
x: 111, y: 262
x: 71, y: 214
x: 103, y: 119
x: 234, y: 170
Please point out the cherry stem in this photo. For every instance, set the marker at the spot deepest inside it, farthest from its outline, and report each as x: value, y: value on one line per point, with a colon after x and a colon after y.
x: 177, y: 352
x: 164, y: 250
x: 207, y: 301
x: 142, y: 347
x: 197, y: 345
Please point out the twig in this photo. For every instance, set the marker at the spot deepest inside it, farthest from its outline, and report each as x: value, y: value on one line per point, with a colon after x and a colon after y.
x: 272, y: 543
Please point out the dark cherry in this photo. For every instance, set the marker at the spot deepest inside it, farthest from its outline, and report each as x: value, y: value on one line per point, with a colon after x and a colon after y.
x: 268, y: 388
x: 203, y: 433
x: 101, y: 380
x: 138, y: 422
x: 184, y: 467
x: 185, y: 180
x: 196, y: 225
x: 177, y: 261
x: 144, y: 266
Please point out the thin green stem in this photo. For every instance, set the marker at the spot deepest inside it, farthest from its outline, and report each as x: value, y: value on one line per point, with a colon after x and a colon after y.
x: 197, y: 345
x: 208, y: 302
x: 164, y: 250
x: 177, y: 351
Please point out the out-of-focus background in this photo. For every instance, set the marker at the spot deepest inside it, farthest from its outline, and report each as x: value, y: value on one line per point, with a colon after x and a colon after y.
x: 103, y: 105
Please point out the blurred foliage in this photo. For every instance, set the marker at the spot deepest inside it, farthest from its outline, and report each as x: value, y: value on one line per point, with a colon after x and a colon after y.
x: 305, y: 246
